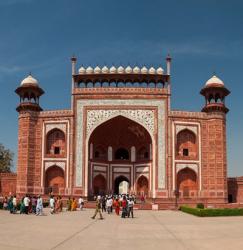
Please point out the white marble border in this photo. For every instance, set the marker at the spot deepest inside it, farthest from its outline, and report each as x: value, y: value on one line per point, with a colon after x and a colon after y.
x: 160, y: 104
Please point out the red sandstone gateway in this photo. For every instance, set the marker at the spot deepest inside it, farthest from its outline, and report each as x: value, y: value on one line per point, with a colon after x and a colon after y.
x: 121, y: 132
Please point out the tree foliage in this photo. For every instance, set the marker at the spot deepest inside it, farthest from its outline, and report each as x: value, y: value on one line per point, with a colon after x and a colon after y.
x: 6, y: 159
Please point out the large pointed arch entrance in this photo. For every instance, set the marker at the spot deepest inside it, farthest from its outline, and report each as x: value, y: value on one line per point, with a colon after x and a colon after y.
x: 119, y: 149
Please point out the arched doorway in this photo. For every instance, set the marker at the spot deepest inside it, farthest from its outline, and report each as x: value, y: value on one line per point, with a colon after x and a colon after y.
x: 142, y: 186
x: 54, y: 180
x: 187, y: 183
x: 121, y: 185
x: 99, y: 185
x: 113, y: 149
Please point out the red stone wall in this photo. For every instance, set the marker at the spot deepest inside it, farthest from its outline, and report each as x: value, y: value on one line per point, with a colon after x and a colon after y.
x: 235, y: 189
x: 8, y: 183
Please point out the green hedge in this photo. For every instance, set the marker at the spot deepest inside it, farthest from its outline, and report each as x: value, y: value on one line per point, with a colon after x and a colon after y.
x: 211, y: 212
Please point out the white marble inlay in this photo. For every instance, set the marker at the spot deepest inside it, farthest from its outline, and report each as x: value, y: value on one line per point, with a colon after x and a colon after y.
x: 159, y: 104
x: 97, y: 117
x: 49, y: 164
x: 142, y: 169
x: 100, y: 168
x: 179, y: 128
x: 182, y: 166
x: 61, y: 126
x: 121, y: 170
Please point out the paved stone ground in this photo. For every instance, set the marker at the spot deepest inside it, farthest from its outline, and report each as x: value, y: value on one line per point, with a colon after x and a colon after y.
x: 148, y: 230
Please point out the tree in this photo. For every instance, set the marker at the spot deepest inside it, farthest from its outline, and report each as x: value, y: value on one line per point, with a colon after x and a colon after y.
x: 6, y: 159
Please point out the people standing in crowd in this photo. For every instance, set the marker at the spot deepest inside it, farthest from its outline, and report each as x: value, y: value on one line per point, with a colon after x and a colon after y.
x: 52, y: 205
x: 81, y: 203
x: 124, y: 207
x: 10, y: 204
x: 14, y: 204
x: 103, y: 203
x: 22, y: 207
x: 39, y: 206
x: 5, y: 203
x: 117, y: 206
x: 57, y: 205
x: 69, y: 204
x: 26, y: 204
x: 33, y: 204
x: 97, y: 208
x: 109, y: 204
x: 74, y: 205
x: 60, y: 204
x: 130, y: 207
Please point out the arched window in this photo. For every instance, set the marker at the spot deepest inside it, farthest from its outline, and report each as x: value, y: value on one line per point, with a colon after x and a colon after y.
x: 143, y: 153
x: 121, y: 154
x: 55, y: 143
x: 54, y: 180
x: 186, y: 144
x: 100, y: 152
x: 187, y: 182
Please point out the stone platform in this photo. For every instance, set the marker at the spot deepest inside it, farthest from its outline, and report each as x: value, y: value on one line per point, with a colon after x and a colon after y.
x: 148, y: 230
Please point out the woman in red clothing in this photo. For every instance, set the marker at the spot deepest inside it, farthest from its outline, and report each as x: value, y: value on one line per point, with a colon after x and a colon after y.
x: 124, y: 207
x: 117, y: 206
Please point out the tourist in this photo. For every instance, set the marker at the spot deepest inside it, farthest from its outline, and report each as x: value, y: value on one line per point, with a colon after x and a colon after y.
x: 81, y: 203
x: 109, y: 204
x: 69, y: 204
x: 142, y: 199
x: 57, y: 205
x: 14, y: 204
x: 130, y: 207
x: 52, y: 205
x: 22, y: 207
x: 26, y: 204
x: 74, y: 205
x: 117, y: 206
x: 33, y: 204
x: 5, y: 203
x: 97, y: 208
x: 103, y: 202
x: 39, y: 206
x: 10, y: 204
x: 60, y: 204
x: 124, y: 207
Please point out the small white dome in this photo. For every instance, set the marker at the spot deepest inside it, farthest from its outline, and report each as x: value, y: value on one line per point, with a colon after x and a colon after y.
x: 120, y: 70
x: 152, y: 70
x: 128, y: 70
x: 97, y: 70
x: 82, y: 70
x: 29, y: 80
x: 144, y: 70
x: 89, y: 70
x: 113, y: 70
x: 136, y: 70
x: 160, y: 71
x: 214, y: 80
x: 105, y: 70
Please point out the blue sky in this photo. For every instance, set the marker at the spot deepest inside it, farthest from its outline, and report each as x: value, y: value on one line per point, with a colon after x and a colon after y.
x: 202, y: 36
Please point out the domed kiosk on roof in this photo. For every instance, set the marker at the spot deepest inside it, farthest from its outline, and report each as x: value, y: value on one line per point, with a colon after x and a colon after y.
x: 29, y: 92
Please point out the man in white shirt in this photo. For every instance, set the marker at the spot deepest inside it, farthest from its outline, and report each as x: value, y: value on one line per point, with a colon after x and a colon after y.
x: 52, y: 205
x: 130, y: 207
x: 39, y: 206
x: 26, y: 204
x: 14, y: 204
x: 81, y: 203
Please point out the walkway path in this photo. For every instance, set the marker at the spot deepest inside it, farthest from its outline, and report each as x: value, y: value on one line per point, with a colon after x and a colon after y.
x: 150, y: 230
